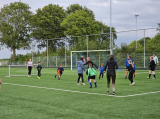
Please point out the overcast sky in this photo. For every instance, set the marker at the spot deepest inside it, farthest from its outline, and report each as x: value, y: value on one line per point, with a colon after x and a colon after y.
x: 123, y: 13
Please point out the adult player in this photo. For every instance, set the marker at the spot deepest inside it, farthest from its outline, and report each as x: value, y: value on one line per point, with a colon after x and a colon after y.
x: 155, y: 58
x: 152, y: 68
x: 127, y: 65
x: 29, y: 67
x: 90, y: 62
x: 112, y: 65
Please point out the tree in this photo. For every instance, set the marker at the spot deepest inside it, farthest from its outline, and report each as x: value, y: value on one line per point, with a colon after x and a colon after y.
x: 73, y: 7
x: 141, y: 41
x: 14, y: 25
x: 46, y: 25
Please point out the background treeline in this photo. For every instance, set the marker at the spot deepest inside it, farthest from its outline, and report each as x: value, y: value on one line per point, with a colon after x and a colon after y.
x: 21, y: 28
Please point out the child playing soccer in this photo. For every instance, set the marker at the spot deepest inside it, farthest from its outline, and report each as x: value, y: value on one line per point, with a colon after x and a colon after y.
x: 151, y: 68
x: 59, y: 71
x: 134, y: 69
x: 91, y: 75
x: 101, y: 71
x: 130, y: 69
x: 39, y: 68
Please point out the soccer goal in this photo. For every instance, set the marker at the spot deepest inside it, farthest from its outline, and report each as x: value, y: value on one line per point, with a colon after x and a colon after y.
x: 20, y: 70
x: 97, y: 56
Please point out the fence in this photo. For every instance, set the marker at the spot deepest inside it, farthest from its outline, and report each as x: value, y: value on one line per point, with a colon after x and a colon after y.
x: 55, y: 61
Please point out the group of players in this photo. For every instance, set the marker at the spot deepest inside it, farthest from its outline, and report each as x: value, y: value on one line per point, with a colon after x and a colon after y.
x: 111, y: 64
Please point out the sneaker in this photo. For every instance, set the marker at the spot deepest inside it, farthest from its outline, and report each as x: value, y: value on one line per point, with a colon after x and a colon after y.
x: 78, y: 84
x: 133, y: 83
x: 107, y: 92
x: 114, y: 93
x: 148, y: 77
x: 130, y: 84
x: 95, y: 86
x: 28, y: 75
x: 90, y: 87
x: 55, y: 76
x: 125, y: 77
x: 39, y: 77
x: 154, y: 78
x: 83, y: 84
x: 58, y: 78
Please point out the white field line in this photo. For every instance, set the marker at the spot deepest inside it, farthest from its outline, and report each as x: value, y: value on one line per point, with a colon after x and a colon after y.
x: 82, y: 92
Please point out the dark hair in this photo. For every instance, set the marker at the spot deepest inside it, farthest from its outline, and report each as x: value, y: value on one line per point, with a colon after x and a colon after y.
x: 129, y: 56
x: 81, y: 58
x: 111, y: 57
x: 154, y: 53
x: 39, y: 62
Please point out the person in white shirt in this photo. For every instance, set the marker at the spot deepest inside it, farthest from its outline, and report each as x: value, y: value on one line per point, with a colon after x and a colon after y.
x: 155, y: 58
x: 29, y: 67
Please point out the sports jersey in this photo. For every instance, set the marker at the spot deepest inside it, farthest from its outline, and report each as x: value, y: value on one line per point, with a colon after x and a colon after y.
x: 92, y: 72
x: 60, y: 69
x: 39, y: 67
x: 134, y: 67
x: 127, y: 64
x: 101, y: 69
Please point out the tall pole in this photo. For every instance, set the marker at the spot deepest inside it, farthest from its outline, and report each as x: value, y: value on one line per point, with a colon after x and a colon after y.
x: 110, y: 26
x: 65, y: 52
x: 47, y: 52
x: 144, y: 48
x: 136, y: 29
x: 87, y: 45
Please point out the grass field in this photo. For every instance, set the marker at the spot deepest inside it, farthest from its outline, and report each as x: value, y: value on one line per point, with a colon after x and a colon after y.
x: 49, y: 98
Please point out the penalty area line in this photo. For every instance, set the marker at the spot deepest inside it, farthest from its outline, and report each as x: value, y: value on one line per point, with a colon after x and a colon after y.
x: 80, y: 91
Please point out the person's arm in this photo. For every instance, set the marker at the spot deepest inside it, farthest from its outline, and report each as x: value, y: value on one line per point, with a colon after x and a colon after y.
x: 94, y: 65
x: 116, y: 65
x: 157, y: 61
x: 27, y: 65
x: 81, y: 64
x: 105, y: 66
x: 85, y: 63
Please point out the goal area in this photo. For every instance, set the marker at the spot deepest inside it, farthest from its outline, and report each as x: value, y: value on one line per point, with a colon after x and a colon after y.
x: 20, y: 70
x: 97, y: 56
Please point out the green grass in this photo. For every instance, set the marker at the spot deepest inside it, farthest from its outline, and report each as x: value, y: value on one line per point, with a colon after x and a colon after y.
x: 22, y: 102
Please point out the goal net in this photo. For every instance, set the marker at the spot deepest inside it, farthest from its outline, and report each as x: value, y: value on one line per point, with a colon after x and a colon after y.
x: 20, y: 70
x: 97, y: 56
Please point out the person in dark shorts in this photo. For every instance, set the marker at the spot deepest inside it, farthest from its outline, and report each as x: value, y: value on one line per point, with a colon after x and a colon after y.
x: 61, y: 69
x: 112, y: 65
x: 101, y: 71
x: 92, y: 75
x: 127, y: 65
x: 130, y: 69
x: 152, y: 68
x: 90, y: 62
x: 39, y: 68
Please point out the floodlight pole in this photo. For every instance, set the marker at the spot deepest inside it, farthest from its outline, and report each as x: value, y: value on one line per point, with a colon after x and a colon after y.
x: 65, y: 52
x: 87, y: 45
x: 110, y: 26
x: 144, y: 48
x: 136, y: 29
x: 47, y: 52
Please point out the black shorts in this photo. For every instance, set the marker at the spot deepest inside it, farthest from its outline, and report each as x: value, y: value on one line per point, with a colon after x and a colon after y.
x: 152, y: 69
x: 92, y: 77
x: 127, y: 68
x: 60, y: 73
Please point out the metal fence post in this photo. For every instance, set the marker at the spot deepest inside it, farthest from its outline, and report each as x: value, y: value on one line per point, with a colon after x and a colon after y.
x: 144, y: 49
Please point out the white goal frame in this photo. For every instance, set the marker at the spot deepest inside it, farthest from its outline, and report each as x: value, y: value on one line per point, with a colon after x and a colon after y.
x: 87, y: 53
x: 9, y: 70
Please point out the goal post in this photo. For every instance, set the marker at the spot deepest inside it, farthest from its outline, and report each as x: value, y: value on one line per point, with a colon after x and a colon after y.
x: 20, y: 70
x: 99, y: 57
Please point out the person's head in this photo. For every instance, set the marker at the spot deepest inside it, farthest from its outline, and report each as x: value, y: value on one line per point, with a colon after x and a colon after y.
x: 81, y: 58
x: 39, y: 63
x: 90, y: 65
x: 88, y: 59
x: 61, y: 65
x: 30, y: 60
x: 130, y: 61
x: 151, y: 58
x: 102, y: 65
x: 111, y: 57
x: 154, y: 54
x: 129, y: 57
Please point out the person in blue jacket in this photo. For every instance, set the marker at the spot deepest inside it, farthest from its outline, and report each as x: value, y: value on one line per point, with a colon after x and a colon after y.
x: 127, y: 65
x: 80, y: 69
x: 134, y: 69
x: 101, y: 71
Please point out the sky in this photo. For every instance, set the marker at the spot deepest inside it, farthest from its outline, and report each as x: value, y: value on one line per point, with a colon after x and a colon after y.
x: 123, y: 13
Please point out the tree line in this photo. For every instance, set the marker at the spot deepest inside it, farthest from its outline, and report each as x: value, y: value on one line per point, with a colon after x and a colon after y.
x: 20, y: 27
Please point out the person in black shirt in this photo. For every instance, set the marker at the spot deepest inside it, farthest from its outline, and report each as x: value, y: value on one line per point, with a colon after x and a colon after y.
x: 151, y: 68
x: 39, y: 68
x: 90, y: 62
x: 61, y: 69
x: 112, y: 65
x: 130, y: 69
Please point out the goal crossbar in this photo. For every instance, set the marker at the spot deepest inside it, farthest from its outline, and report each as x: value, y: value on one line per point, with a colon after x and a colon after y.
x: 87, y: 51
